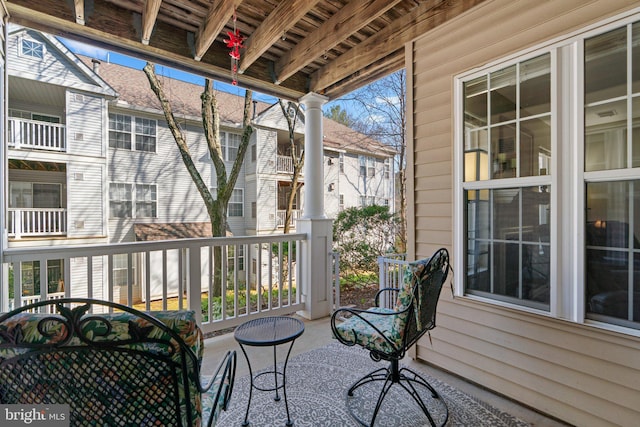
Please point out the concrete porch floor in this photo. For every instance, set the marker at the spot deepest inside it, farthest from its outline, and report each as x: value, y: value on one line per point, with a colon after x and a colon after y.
x: 318, y: 333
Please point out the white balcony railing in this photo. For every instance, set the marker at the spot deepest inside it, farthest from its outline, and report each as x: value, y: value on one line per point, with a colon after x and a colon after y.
x: 36, y: 222
x: 391, y: 270
x: 259, y: 275
x: 282, y: 214
x: 284, y: 164
x: 33, y: 134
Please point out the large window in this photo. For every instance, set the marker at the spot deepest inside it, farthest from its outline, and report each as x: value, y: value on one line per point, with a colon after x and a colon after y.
x: 612, y: 159
x: 510, y: 172
x: 507, y: 149
x: 122, y: 133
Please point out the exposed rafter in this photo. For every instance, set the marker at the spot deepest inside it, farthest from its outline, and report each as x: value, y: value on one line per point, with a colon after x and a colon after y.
x: 421, y: 19
x: 346, y: 21
x: 79, y: 10
x: 218, y: 15
x: 287, y: 13
x: 149, y: 16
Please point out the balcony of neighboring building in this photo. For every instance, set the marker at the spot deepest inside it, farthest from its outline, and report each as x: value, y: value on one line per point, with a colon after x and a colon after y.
x: 284, y: 158
x: 37, y: 200
x: 284, y: 191
x: 36, y: 133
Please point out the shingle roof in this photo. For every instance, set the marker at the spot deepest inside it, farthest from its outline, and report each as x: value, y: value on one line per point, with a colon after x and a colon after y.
x: 133, y: 88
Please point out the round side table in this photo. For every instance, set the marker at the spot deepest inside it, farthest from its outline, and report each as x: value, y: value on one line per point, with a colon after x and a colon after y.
x: 264, y: 332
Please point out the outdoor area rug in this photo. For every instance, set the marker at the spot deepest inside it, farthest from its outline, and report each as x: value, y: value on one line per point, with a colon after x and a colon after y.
x: 317, y: 382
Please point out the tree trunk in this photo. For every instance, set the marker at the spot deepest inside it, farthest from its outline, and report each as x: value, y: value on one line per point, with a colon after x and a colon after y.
x: 216, y: 207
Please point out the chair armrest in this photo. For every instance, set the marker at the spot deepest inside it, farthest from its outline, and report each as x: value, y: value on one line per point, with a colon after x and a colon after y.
x: 223, y: 378
x: 382, y: 291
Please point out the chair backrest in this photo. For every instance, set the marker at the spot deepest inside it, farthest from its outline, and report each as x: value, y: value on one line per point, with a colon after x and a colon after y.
x: 119, y: 367
x: 423, y: 281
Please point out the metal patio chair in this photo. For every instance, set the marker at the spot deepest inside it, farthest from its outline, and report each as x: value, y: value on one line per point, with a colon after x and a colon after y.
x: 388, y: 332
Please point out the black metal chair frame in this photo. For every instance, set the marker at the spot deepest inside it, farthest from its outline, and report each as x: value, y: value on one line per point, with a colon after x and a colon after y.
x: 72, y: 314
x: 428, y: 287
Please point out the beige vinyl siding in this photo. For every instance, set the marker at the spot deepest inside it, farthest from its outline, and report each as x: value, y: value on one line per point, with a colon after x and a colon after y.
x: 581, y: 374
x: 85, y: 200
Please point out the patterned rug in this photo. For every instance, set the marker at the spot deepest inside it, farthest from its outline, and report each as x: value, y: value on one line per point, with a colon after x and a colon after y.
x: 316, y: 389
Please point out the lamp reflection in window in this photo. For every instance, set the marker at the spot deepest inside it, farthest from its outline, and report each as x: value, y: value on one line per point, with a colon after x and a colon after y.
x: 476, y: 168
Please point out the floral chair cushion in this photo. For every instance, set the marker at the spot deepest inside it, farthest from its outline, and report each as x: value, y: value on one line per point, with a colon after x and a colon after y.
x: 182, y: 322
x: 372, y: 330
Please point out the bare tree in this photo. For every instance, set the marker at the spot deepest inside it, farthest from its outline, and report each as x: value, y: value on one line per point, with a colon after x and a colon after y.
x: 291, y: 111
x: 225, y: 183
x: 383, y: 104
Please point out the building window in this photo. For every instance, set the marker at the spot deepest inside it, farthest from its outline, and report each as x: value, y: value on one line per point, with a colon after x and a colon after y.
x: 512, y: 124
x: 121, y: 133
x: 341, y: 162
x: 367, y: 166
x: 254, y: 154
x: 612, y: 143
x: 34, y: 195
x: 235, y: 253
x: 145, y: 135
x: 507, y: 134
x: 120, y: 270
x: 387, y: 168
x: 230, y: 144
x: 120, y: 200
x: 146, y: 201
x: 341, y: 201
x: 254, y: 210
x: 236, y: 203
x: 32, y: 48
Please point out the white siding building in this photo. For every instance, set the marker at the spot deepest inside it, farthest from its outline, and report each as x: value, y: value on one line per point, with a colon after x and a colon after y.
x: 92, y: 160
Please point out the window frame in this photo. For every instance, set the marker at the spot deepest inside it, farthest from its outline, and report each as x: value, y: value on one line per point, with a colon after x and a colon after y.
x: 568, y: 199
x: 42, y: 47
x: 137, y: 139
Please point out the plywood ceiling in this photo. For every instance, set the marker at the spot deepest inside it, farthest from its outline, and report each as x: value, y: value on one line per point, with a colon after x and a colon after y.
x: 292, y: 47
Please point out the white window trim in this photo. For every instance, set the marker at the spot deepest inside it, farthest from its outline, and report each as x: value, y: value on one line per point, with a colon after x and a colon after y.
x: 29, y: 39
x: 567, y: 198
x: 133, y: 132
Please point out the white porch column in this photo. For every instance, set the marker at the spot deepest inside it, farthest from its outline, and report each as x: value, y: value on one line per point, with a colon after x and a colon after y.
x: 313, y: 156
x: 315, y: 259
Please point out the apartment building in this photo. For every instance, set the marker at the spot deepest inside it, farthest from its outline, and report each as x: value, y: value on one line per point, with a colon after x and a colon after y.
x: 91, y: 160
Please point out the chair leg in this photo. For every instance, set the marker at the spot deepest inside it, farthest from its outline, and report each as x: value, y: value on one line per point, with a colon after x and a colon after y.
x: 408, y: 380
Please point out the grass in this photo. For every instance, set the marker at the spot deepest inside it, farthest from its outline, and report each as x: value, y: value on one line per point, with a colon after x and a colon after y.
x: 173, y: 303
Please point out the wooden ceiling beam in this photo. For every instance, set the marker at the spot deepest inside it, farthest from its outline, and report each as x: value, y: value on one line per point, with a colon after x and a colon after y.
x: 370, y: 74
x: 217, y: 17
x: 351, y: 18
x: 168, y: 48
x: 79, y: 11
x: 422, y: 18
x: 283, y: 17
x: 149, y: 16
